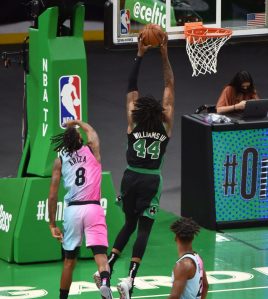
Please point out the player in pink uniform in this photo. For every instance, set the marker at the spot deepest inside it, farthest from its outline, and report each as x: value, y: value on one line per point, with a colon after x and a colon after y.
x: 80, y: 167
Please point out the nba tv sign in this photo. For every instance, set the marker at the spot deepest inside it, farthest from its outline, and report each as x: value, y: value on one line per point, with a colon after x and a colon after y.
x: 70, y: 105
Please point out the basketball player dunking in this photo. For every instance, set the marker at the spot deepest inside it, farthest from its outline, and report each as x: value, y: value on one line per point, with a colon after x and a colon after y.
x: 149, y: 129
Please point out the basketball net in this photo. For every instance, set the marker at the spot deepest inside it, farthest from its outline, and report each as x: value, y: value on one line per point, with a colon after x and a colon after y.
x: 203, y: 45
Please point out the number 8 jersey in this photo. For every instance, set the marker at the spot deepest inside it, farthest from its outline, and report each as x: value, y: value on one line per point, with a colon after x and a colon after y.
x: 146, y: 148
x: 81, y: 174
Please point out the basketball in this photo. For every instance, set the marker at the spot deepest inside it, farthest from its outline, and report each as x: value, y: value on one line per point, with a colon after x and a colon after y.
x: 152, y: 34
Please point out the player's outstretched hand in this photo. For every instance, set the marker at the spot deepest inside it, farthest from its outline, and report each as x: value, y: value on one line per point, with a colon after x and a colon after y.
x: 141, y: 47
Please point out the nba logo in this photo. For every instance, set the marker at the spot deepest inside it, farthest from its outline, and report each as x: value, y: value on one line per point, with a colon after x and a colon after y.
x: 69, y: 98
x: 125, y: 21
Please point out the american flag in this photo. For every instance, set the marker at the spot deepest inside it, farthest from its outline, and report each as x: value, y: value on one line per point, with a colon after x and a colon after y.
x: 256, y: 19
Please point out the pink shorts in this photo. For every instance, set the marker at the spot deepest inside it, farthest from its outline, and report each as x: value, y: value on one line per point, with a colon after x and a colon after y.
x: 84, y: 220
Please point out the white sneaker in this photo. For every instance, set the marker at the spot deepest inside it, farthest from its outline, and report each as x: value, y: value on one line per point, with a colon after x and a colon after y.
x: 125, y: 288
x: 106, y: 292
x: 97, y: 279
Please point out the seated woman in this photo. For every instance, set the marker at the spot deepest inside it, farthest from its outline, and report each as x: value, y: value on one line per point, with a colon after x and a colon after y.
x: 236, y: 93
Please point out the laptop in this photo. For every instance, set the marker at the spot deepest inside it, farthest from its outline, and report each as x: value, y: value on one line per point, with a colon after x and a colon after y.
x: 254, y: 109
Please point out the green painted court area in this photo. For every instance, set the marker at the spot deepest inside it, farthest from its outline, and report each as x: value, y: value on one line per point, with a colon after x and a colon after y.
x: 236, y: 262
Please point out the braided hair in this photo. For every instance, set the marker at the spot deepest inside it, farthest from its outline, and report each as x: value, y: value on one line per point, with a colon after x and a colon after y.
x: 148, y: 112
x: 185, y: 229
x: 69, y: 141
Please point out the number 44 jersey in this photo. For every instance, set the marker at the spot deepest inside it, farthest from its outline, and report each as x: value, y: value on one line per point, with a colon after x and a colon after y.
x: 81, y: 174
x: 146, y: 148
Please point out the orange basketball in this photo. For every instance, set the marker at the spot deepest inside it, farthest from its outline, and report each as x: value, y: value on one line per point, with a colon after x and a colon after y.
x: 152, y: 34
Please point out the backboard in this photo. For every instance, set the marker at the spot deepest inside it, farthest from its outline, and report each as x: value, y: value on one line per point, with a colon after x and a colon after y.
x: 246, y: 18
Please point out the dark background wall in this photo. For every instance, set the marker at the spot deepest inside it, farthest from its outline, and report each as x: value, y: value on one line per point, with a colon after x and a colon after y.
x: 21, y: 10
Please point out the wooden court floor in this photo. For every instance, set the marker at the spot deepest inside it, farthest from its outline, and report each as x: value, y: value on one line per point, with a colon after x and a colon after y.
x: 236, y: 262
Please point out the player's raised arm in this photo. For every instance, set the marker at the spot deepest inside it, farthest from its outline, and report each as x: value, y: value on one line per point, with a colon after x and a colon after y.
x: 169, y: 93
x: 92, y: 136
x: 132, y: 91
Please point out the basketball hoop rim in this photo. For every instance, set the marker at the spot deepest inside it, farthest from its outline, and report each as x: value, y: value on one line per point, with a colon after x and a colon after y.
x: 202, y: 46
x: 208, y: 32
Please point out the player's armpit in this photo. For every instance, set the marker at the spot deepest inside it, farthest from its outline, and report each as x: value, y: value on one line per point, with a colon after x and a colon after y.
x: 94, y: 144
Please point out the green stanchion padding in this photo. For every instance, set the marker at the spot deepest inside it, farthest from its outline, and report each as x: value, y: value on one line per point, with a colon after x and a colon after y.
x: 114, y: 214
x: 32, y: 239
x: 11, y: 192
x: 52, y: 58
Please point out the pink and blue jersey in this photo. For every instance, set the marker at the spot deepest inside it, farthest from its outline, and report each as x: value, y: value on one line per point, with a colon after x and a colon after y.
x: 81, y: 174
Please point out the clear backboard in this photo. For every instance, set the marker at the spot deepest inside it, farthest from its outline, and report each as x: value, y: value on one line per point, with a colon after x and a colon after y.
x: 246, y: 18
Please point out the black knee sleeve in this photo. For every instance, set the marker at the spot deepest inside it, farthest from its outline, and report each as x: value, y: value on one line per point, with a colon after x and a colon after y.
x: 98, y: 249
x: 71, y: 254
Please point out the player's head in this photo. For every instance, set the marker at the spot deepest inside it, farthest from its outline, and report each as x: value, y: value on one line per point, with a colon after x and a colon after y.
x: 243, y: 82
x: 147, y: 112
x: 185, y: 229
x: 68, y: 141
